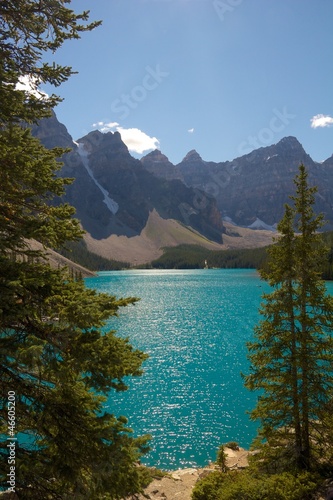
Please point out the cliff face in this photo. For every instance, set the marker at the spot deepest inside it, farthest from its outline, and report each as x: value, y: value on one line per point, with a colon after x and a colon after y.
x: 136, y: 192
x: 251, y: 190
x: 114, y: 194
x: 257, y: 186
x: 83, y: 193
x: 120, y: 198
x: 159, y: 165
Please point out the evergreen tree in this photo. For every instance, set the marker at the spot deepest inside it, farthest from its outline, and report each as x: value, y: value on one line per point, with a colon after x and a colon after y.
x: 28, y: 30
x: 60, y: 366
x: 56, y: 364
x: 292, y: 354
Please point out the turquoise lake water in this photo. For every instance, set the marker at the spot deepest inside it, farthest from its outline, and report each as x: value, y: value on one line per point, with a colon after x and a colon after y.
x: 194, y: 324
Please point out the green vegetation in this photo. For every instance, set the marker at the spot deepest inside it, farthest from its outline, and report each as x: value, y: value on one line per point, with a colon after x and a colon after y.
x: 292, y: 354
x: 232, y: 445
x: 58, y: 367
x: 292, y: 368
x: 77, y: 252
x: 190, y: 257
x: 194, y: 257
x: 55, y: 364
x: 253, y: 485
x: 328, y: 263
x: 221, y: 458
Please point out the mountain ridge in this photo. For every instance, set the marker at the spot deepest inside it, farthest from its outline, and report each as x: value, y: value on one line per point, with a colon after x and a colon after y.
x: 115, y: 197
x: 131, y: 209
x: 256, y: 186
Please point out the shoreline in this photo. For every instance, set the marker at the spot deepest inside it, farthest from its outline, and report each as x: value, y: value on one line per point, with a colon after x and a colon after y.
x: 178, y: 484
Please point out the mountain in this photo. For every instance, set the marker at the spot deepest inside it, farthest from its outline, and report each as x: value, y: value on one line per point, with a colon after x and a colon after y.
x: 159, y: 165
x: 57, y: 260
x: 131, y: 209
x: 251, y: 190
x: 135, y: 192
x: 123, y: 206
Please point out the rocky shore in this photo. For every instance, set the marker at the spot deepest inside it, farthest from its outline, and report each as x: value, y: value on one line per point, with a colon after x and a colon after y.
x: 178, y: 485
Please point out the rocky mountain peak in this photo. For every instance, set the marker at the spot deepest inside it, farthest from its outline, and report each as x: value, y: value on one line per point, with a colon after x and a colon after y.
x: 155, y: 156
x: 328, y: 162
x: 192, y: 156
x: 52, y: 133
x: 290, y: 140
x: 114, y: 194
x: 287, y: 153
x: 290, y: 143
x: 254, y: 187
x: 96, y: 141
x: 159, y: 165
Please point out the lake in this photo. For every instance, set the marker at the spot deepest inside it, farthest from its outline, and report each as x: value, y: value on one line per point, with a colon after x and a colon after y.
x: 194, y: 324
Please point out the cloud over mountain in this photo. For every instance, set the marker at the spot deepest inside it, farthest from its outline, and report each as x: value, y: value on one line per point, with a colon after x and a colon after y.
x: 135, y: 139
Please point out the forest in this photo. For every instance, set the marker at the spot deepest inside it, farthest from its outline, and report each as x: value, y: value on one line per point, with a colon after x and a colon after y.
x: 192, y: 257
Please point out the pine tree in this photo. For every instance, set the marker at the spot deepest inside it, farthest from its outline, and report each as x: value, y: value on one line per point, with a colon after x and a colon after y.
x: 56, y: 363
x: 28, y: 30
x: 60, y: 366
x: 292, y: 354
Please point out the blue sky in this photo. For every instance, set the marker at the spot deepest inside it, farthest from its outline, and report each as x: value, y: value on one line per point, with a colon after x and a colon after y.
x: 220, y: 76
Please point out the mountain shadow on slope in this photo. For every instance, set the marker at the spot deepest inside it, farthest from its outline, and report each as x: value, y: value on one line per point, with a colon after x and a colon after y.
x: 106, y: 175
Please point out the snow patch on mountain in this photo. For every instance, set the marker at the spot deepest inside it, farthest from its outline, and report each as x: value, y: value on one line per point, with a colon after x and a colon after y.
x: 229, y: 220
x: 109, y: 202
x: 259, y: 224
x: 270, y: 157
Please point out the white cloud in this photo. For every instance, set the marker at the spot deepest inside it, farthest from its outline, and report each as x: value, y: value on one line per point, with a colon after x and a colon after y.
x: 136, y: 140
x: 191, y: 130
x: 30, y: 84
x: 321, y: 121
x: 106, y: 127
